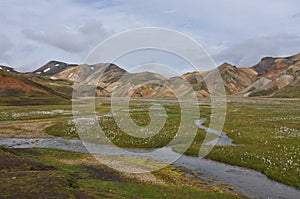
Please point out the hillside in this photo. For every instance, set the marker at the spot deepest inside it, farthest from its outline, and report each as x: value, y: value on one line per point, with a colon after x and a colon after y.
x: 235, y: 79
x: 20, y: 89
x: 53, y: 67
x: 277, y: 77
x: 52, y: 83
x: 7, y: 69
x: 111, y: 79
x: 269, y: 66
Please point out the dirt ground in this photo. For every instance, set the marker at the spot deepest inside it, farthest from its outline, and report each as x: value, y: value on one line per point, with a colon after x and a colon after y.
x: 25, y: 129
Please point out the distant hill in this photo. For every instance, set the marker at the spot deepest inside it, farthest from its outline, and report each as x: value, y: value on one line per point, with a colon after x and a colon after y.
x: 21, y: 89
x: 53, y: 67
x: 277, y: 77
x: 270, y: 67
x: 52, y: 83
x: 7, y: 69
x: 235, y: 78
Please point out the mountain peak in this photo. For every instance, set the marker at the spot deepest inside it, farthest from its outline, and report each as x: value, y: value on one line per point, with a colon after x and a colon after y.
x: 226, y: 66
x: 7, y: 69
x: 269, y: 66
x: 53, y: 67
x: 113, y: 67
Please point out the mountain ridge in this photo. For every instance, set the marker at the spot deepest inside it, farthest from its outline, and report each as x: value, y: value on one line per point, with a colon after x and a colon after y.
x: 271, y: 77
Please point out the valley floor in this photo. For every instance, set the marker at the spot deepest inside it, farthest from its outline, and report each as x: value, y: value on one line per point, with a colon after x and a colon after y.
x: 51, y: 173
x: 266, y: 134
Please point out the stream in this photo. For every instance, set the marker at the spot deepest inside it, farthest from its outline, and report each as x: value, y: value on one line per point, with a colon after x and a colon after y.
x: 249, y: 182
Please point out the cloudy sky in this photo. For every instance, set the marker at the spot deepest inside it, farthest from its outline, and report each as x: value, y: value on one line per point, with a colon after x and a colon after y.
x: 237, y: 31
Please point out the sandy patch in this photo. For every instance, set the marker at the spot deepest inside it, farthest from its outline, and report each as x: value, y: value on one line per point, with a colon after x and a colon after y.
x: 128, y: 168
x: 25, y: 129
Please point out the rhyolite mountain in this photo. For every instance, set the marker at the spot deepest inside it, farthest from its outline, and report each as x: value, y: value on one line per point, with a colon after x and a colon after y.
x: 7, y: 69
x: 235, y: 79
x: 52, y: 83
x: 26, y: 89
x: 53, y: 67
x: 276, y: 77
x: 270, y: 67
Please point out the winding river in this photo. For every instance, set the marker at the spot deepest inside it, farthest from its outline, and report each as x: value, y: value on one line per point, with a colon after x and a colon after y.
x: 250, y: 183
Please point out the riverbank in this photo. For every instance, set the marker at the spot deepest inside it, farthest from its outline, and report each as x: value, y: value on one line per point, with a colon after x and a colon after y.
x: 265, y: 133
x: 52, y: 173
x: 248, y: 182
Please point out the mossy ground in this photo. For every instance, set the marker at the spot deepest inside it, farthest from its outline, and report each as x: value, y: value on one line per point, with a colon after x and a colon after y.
x: 267, y: 134
x: 266, y: 131
x: 49, y: 173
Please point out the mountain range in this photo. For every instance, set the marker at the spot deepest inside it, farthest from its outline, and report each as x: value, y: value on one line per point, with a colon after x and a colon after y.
x: 52, y: 83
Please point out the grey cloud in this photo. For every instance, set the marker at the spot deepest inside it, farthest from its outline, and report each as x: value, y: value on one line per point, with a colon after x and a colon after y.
x: 70, y: 39
x: 296, y: 15
x: 68, y: 29
x: 249, y: 52
x: 64, y: 30
x: 5, y: 44
x: 5, y: 47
